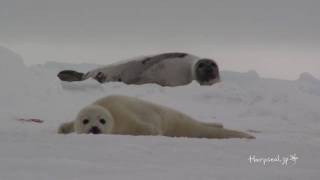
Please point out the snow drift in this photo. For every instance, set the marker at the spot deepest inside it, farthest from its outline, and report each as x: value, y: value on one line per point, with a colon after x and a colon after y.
x: 285, y: 113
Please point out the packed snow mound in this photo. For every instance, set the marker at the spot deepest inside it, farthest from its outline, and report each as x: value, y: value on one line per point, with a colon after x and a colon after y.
x: 309, y: 84
x: 286, y: 113
x: 9, y: 59
x: 11, y: 64
x: 307, y: 77
x: 14, y: 75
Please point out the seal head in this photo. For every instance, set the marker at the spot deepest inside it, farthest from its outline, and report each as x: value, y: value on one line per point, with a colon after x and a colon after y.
x: 206, y: 72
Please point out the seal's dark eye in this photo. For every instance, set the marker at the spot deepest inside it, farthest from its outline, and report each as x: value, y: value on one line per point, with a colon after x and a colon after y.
x: 85, y: 121
x: 201, y: 65
x: 102, y: 121
x: 213, y: 64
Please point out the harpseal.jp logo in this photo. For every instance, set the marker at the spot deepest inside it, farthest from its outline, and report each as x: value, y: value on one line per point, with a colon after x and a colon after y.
x: 288, y: 160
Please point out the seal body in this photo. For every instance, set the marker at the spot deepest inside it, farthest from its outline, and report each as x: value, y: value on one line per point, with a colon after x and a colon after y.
x: 131, y: 116
x: 167, y: 69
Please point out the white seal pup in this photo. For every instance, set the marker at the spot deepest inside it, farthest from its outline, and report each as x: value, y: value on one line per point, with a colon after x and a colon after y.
x: 167, y: 69
x: 131, y: 116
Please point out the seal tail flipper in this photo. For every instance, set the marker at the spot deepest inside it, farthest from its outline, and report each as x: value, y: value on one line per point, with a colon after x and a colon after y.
x: 70, y: 75
x: 228, y: 133
x: 209, y: 131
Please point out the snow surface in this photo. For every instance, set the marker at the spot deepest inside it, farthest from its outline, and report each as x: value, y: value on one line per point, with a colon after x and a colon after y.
x: 285, y: 115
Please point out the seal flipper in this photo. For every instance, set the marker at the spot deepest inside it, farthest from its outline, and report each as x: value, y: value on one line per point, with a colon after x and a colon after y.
x: 70, y: 75
x: 66, y: 128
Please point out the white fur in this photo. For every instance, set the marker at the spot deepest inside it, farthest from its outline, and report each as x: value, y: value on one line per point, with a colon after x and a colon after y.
x: 131, y: 116
x: 94, y: 113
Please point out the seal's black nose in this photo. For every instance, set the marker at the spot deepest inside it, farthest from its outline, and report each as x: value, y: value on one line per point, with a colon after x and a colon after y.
x: 95, y: 130
x: 209, y: 70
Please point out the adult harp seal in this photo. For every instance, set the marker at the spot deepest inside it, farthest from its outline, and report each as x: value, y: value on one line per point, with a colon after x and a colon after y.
x: 166, y: 69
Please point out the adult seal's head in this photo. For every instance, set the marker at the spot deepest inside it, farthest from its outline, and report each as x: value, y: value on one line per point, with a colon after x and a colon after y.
x: 206, y: 72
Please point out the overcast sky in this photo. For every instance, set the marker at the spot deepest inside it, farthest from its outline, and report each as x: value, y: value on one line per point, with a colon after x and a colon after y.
x: 278, y: 38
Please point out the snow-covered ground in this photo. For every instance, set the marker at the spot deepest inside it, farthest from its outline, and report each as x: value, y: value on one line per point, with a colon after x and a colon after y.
x: 283, y: 114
